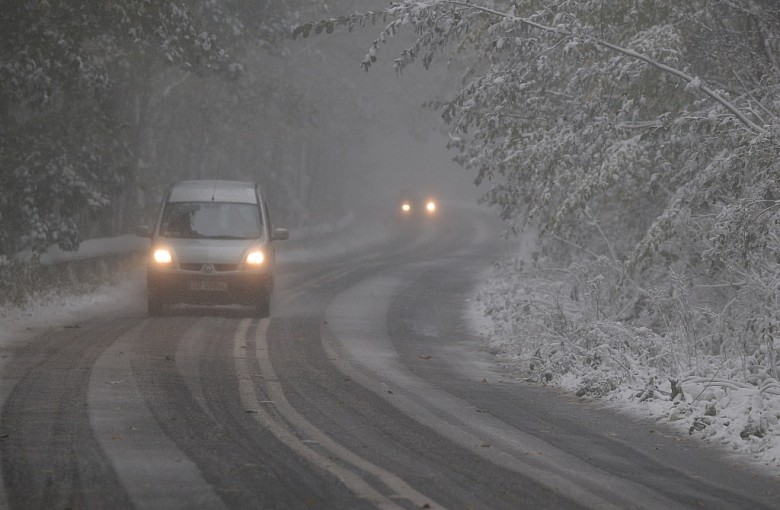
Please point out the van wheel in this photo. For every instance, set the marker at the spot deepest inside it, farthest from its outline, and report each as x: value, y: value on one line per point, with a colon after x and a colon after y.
x: 263, y: 305
x: 155, y: 306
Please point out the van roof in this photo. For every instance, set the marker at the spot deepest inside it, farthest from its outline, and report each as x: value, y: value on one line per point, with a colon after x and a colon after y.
x: 213, y: 191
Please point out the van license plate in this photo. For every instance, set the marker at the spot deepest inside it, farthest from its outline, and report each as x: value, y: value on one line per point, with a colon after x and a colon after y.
x: 208, y: 285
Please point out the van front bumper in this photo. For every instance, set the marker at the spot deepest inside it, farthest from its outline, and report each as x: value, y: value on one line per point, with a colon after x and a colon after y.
x: 239, y: 287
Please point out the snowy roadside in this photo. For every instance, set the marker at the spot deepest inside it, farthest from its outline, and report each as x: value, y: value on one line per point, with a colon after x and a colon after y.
x: 533, y: 325
x: 66, y: 307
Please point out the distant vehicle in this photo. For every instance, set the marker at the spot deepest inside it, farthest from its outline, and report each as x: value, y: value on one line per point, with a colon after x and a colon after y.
x: 411, y: 206
x: 212, y: 244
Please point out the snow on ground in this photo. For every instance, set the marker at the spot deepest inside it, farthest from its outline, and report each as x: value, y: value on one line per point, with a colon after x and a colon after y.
x: 20, y: 325
x: 718, y: 410
x: 527, y: 324
x: 58, y: 308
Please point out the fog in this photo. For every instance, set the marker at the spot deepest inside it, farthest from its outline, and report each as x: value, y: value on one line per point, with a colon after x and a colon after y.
x: 87, y: 151
x: 647, y: 158
x: 389, y: 140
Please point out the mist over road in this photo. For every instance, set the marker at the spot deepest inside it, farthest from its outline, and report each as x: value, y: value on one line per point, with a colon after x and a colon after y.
x: 366, y: 388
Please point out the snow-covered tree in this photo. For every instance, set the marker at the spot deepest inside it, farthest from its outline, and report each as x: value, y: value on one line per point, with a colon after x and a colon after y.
x: 642, y: 133
x: 76, y: 87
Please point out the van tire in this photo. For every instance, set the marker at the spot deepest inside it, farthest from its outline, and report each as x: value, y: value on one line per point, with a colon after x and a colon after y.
x: 263, y: 305
x: 155, y: 306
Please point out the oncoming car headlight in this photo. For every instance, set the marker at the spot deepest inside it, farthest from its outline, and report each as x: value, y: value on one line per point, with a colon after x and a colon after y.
x: 255, y: 258
x: 406, y: 207
x: 162, y: 256
x: 430, y: 206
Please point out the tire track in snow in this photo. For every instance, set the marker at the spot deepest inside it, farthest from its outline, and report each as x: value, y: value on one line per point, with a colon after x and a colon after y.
x: 152, y: 469
x: 351, y: 466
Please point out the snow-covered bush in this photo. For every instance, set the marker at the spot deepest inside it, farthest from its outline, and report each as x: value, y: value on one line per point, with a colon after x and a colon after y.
x: 16, y: 280
x: 544, y: 330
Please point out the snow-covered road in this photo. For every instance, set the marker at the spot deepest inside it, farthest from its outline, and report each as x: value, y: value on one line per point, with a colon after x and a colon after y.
x: 367, y: 388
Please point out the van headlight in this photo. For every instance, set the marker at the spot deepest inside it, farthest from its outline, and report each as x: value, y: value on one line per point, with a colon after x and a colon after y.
x: 255, y: 258
x: 162, y: 256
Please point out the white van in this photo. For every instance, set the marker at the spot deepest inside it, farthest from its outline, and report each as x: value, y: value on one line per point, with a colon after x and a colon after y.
x: 212, y: 244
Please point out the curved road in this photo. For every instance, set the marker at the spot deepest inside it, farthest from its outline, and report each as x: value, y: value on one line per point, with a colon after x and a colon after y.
x: 365, y: 389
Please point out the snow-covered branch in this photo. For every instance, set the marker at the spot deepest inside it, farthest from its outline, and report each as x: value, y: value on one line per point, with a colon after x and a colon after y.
x: 692, y: 82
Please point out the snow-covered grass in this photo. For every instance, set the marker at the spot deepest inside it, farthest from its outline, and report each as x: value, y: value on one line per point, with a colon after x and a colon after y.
x: 25, y: 278
x: 66, y: 307
x: 544, y: 332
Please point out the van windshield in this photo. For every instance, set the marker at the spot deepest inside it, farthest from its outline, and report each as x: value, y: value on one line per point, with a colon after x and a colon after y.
x: 211, y: 220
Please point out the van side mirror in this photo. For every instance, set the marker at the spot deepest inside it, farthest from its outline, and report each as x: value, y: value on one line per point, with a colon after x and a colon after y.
x: 143, y: 231
x: 280, y: 234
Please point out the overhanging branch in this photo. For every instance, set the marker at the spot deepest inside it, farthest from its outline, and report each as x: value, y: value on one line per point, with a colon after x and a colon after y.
x: 728, y: 105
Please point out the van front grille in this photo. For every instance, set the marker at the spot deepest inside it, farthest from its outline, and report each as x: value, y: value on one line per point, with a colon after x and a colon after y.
x: 196, y: 266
